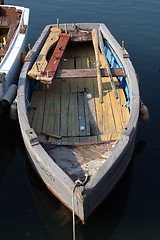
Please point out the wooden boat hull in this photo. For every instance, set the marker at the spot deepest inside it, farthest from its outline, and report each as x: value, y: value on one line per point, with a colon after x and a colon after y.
x: 88, y: 197
x: 11, y: 52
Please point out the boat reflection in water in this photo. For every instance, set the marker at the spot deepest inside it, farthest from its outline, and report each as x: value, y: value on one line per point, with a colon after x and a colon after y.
x: 58, y: 219
x: 10, y: 140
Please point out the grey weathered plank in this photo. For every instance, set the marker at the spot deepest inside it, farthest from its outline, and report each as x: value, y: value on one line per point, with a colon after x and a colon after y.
x: 89, y: 73
x: 73, y: 124
x: 81, y: 115
x: 92, y: 113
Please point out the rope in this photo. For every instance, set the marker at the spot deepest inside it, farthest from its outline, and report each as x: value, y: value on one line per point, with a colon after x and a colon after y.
x: 78, y: 182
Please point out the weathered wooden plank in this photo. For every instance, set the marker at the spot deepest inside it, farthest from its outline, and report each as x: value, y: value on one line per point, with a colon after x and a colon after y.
x: 80, y: 81
x: 73, y: 123
x: 73, y: 139
x: 115, y: 136
x: 41, y: 61
x: 89, y: 82
x: 92, y: 114
x: 37, y: 122
x: 36, y: 111
x: 99, y: 112
x: 55, y: 108
x: 108, y: 115
x: 88, y: 73
x: 41, y: 107
x: 48, y: 111
x: 57, y: 111
x: 33, y: 104
x: 117, y: 111
x: 86, y: 110
x: 81, y: 115
x: 50, y: 71
x: 105, y: 137
x: 92, y: 61
x: 88, y: 139
x: 64, y: 139
x: 69, y: 64
x: 65, y: 94
x: 51, y: 139
x: 125, y: 110
x: 77, y: 36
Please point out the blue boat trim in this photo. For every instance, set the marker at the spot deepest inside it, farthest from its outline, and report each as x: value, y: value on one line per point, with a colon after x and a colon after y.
x: 114, y: 62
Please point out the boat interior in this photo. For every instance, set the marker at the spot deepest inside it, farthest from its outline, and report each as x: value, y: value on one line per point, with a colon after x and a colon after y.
x: 69, y: 109
x: 9, y: 21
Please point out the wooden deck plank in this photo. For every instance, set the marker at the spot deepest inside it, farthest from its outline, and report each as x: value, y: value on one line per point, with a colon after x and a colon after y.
x: 68, y: 63
x: 73, y: 123
x: 37, y: 123
x: 92, y: 113
x: 108, y: 115
x: 73, y: 139
x: 84, y: 65
x: 89, y: 139
x: 54, y: 111
x: 86, y: 110
x: 105, y: 137
x: 81, y: 115
x: 57, y: 112
x: 65, y: 94
x: 64, y: 139
x: 33, y: 104
x: 41, y: 106
x: 42, y: 138
x: 99, y: 111
x: 125, y: 110
x: 117, y: 110
x: 48, y: 108
x: 36, y: 112
x: 80, y: 81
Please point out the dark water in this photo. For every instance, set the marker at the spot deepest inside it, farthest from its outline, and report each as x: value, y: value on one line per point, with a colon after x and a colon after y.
x: 132, y: 211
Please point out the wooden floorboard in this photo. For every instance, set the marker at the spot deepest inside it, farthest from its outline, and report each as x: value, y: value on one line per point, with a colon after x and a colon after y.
x: 73, y: 123
x: 71, y: 109
x: 92, y: 113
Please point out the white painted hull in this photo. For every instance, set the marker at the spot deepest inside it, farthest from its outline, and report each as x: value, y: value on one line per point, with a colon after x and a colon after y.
x: 10, y: 64
x: 87, y: 198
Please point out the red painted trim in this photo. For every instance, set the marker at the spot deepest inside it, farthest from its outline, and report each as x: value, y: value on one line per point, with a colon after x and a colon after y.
x: 51, y: 68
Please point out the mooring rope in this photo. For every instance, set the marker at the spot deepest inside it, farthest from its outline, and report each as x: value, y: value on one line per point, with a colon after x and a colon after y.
x: 78, y: 182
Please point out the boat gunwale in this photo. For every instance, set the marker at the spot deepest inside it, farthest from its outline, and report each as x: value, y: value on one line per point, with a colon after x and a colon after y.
x: 25, y: 14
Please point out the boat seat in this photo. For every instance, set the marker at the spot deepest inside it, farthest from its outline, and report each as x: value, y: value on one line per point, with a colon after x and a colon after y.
x: 89, y: 73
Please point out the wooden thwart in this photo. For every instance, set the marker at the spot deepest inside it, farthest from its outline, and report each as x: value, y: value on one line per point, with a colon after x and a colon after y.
x: 89, y: 73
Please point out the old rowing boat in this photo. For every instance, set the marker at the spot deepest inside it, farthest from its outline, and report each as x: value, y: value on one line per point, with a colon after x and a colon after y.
x: 78, y: 108
x: 13, y: 33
